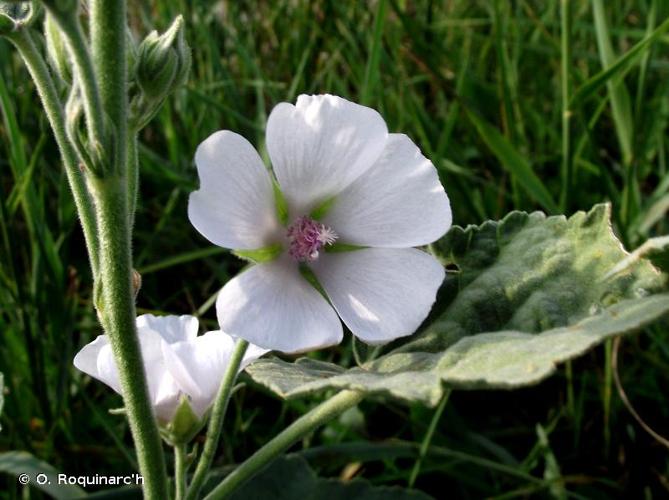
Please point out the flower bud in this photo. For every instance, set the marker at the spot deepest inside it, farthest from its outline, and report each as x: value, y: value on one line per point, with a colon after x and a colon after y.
x: 163, y: 61
x: 56, y: 50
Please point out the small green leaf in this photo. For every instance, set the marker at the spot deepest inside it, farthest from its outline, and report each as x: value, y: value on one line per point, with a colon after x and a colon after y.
x: 259, y: 255
x: 534, y: 291
x: 32, y: 471
x: 291, y: 477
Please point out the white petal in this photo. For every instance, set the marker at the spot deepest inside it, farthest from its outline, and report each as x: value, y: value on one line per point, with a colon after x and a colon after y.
x: 234, y: 207
x: 273, y: 306
x: 163, y: 390
x: 399, y: 202
x: 95, y: 359
x: 170, y: 328
x: 380, y: 293
x: 198, y: 366
x: 320, y: 146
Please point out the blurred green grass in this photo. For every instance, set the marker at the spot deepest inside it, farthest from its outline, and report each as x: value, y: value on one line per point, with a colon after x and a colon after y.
x: 483, y: 87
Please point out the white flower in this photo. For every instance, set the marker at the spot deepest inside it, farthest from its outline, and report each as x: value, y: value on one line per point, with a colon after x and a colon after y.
x: 176, y: 362
x: 343, y: 177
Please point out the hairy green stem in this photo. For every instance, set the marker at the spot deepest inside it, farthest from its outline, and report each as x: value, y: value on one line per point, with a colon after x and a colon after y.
x: 216, y: 419
x: 301, y: 427
x: 69, y: 24
x: 108, y: 39
x: 133, y: 177
x: 425, y: 445
x: 180, y: 471
x: 23, y: 41
x: 117, y: 313
x: 116, y: 302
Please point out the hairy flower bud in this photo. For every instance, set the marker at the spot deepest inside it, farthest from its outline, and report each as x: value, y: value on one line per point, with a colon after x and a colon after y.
x: 163, y: 62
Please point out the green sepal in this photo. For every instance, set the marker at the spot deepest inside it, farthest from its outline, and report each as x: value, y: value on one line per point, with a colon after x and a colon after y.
x: 184, y: 425
x: 323, y: 208
x: 338, y: 247
x: 260, y: 255
x: 280, y: 203
x: 309, y: 275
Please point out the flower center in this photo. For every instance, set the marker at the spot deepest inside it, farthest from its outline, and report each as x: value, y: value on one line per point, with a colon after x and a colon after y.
x: 307, y: 237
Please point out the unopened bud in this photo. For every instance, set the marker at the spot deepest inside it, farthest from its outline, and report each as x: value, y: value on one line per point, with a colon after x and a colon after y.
x: 163, y: 61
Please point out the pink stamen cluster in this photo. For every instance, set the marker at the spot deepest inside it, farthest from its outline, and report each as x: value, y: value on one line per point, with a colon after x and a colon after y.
x: 307, y: 237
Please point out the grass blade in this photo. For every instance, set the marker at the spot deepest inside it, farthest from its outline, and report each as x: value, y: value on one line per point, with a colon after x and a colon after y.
x: 514, y: 163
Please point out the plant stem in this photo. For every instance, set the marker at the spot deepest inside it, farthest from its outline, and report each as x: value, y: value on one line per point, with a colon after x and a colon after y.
x: 117, y: 314
x: 216, y: 419
x: 117, y: 308
x: 180, y: 471
x: 133, y: 177
x: 69, y: 24
x: 108, y: 37
x: 565, y: 81
x: 425, y: 445
x: 23, y: 41
x: 301, y: 427
x: 606, y: 396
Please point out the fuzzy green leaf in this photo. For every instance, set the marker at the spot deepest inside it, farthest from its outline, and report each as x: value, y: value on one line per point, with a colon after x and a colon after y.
x: 531, y: 292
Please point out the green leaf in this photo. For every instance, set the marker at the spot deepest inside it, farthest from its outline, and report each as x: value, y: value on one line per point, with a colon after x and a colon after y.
x: 291, y: 477
x: 22, y: 464
x: 655, y: 249
x: 513, y: 162
x: 532, y: 291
